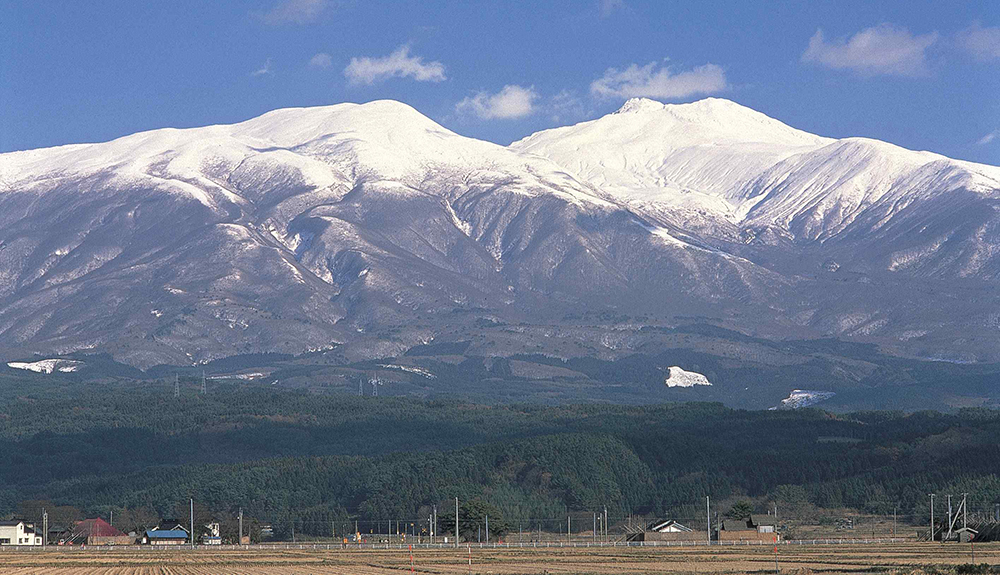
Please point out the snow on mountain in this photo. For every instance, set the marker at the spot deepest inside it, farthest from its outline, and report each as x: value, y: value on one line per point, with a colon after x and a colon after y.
x: 47, y: 365
x: 381, y: 140
x: 313, y: 227
x: 678, y: 377
x: 720, y: 168
x: 800, y: 398
x: 369, y: 228
x: 682, y: 155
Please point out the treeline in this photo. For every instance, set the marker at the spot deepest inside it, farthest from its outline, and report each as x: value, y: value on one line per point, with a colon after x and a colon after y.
x: 315, y: 461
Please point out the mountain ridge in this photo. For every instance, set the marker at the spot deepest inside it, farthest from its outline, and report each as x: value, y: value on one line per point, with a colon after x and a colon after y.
x: 371, y: 229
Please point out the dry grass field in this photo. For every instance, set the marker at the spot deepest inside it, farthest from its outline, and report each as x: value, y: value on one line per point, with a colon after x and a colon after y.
x: 800, y: 560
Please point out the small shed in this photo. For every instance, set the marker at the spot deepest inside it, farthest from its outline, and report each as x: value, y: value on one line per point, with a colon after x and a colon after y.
x: 965, y: 534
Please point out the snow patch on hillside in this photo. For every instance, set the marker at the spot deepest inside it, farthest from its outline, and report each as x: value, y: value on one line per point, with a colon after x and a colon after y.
x: 409, y: 369
x: 48, y: 365
x: 681, y: 378
x: 803, y: 398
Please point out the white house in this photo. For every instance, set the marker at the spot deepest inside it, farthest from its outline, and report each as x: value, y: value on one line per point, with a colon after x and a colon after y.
x: 213, y: 533
x: 669, y: 526
x: 18, y: 533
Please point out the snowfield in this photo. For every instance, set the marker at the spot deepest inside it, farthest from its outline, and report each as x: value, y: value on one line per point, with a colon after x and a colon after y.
x: 680, y: 378
x: 803, y: 398
x: 48, y: 365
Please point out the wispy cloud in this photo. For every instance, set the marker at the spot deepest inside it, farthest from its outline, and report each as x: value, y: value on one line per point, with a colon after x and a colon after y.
x: 659, y: 82
x: 989, y: 138
x: 321, y: 60
x: 265, y: 69
x: 510, y: 102
x: 982, y: 43
x: 295, y: 12
x: 885, y: 49
x: 399, y: 64
x: 566, y: 105
x: 609, y: 7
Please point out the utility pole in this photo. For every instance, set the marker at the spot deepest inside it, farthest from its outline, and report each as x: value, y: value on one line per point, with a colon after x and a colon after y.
x: 240, y: 540
x: 606, y: 536
x: 595, y: 527
x: 45, y: 527
x: 708, y: 516
x: 894, y: 509
x: 192, y: 523
x: 932, y: 516
x: 487, y: 529
x: 112, y: 521
x: 204, y: 383
x: 456, y: 522
x: 949, y: 518
x: 177, y: 386
x: 965, y: 512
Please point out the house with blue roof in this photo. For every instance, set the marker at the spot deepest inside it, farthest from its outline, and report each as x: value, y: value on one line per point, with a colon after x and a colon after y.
x: 171, y: 534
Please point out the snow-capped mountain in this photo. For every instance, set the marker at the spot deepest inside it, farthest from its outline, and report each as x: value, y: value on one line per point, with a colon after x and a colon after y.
x: 372, y: 229
x: 734, y: 173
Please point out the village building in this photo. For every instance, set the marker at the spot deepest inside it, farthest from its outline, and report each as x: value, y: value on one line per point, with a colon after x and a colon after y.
x: 213, y: 534
x: 59, y: 534
x: 19, y: 533
x: 667, y: 530
x: 97, y: 532
x: 166, y: 534
x: 749, y: 529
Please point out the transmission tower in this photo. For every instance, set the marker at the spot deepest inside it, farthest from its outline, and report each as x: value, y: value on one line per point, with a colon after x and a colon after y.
x: 177, y: 386
x: 204, y: 384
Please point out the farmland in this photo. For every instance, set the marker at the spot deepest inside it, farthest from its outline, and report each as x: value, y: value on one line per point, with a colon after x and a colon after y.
x: 846, y: 558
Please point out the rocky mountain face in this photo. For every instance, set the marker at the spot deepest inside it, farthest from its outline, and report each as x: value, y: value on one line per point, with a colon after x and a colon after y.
x: 369, y: 229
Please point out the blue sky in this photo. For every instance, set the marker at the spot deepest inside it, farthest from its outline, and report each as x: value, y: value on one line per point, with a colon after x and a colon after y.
x: 924, y: 75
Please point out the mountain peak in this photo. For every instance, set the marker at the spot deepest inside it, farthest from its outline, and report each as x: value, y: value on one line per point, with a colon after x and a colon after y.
x: 700, y: 110
x: 639, y: 105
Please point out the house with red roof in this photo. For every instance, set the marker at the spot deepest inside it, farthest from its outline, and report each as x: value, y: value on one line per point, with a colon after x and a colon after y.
x: 98, y: 532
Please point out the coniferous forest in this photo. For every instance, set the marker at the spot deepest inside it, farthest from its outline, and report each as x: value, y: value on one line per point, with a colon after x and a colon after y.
x: 308, y: 460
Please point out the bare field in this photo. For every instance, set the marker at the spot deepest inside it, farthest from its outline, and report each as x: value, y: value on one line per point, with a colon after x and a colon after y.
x: 900, y: 558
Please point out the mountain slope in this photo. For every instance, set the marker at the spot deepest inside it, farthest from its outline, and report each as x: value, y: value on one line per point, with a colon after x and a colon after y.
x: 362, y: 227
x: 370, y: 229
x: 734, y: 175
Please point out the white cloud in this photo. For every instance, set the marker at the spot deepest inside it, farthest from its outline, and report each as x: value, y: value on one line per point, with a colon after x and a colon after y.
x: 988, y: 138
x: 295, y: 12
x: 659, y: 82
x: 884, y: 49
x: 982, y: 43
x: 510, y: 102
x: 265, y: 69
x: 321, y: 60
x: 399, y: 64
x: 608, y: 7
